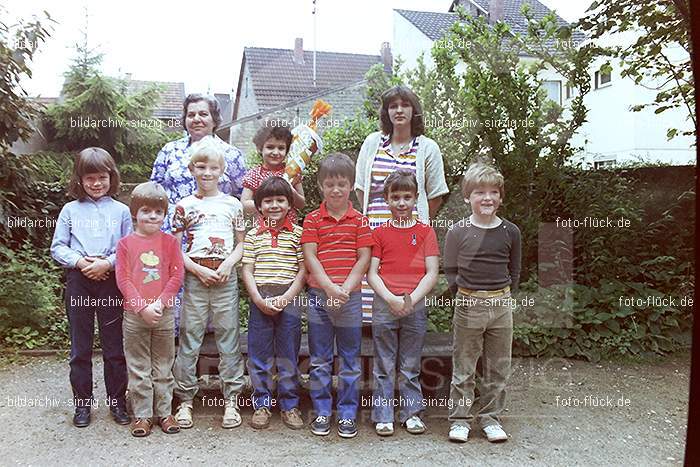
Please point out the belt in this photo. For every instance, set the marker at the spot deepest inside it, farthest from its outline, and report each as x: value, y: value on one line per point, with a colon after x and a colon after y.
x: 484, y: 293
x: 211, y: 263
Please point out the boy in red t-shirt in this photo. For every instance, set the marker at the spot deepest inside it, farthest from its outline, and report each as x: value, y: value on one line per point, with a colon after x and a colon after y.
x: 149, y: 271
x: 337, y: 245
x: 403, y: 270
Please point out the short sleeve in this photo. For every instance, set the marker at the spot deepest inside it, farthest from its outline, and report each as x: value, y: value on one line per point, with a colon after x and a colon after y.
x: 430, y: 245
x: 310, y: 232
x: 377, y: 249
x: 300, y: 252
x: 249, y: 179
x: 249, y: 248
x: 179, y: 222
x: 239, y: 220
x: 159, y: 168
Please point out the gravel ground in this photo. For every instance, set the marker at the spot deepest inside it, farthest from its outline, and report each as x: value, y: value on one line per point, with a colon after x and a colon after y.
x: 645, y: 424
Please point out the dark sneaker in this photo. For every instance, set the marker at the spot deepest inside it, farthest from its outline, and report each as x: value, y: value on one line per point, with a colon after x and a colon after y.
x: 81, y: 418
x: 321, y: 426
x: 347, y: 428
x: 119, y: 415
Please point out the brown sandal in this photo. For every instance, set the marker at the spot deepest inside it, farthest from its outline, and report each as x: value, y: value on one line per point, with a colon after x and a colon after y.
x: 169, y: 425
x: 141, y: 427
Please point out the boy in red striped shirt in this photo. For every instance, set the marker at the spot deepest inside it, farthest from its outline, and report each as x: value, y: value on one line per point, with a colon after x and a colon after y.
x: 337, y: 246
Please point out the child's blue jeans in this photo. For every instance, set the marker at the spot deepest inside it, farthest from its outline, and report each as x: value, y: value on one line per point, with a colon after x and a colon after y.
x: 342, y: 327
x: 274, y: 340
x: 397, y: 340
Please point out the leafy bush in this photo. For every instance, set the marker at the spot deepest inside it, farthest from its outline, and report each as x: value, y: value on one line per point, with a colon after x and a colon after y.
x: 29, y: 294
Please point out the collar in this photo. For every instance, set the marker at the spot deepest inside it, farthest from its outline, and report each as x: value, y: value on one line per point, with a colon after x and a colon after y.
x: 324, y: 211
x: 287, y: 224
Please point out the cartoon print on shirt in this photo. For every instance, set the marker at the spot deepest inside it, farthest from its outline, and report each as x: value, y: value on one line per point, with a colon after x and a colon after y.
x: 150, y: 261
x: 217, y: 247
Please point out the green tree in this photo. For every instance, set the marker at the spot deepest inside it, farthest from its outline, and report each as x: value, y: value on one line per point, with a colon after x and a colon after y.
x: 662, y: 28
x: 97, y: 110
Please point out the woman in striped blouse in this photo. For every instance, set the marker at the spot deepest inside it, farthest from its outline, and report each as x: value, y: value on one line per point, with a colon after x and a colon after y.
x: 400, y: 144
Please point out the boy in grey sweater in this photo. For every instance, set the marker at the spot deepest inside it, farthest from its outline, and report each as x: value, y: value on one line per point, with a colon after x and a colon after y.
x: 482, y: 265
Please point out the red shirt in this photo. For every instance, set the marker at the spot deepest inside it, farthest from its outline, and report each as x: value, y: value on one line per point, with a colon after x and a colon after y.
x: 148, y: 268
x: 254, y: 177
x: 402, y: 253
x: 337, y: 240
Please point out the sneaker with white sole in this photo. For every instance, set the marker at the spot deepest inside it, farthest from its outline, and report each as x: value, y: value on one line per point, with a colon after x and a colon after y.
x: 384, y: 429
x: 232, y: 418
x: 415, y: 425
x: 184, y: 415
x: 495, y: 434
x: 459, y: 433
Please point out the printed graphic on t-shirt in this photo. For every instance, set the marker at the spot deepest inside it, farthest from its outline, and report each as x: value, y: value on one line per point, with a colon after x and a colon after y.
x: 150, y: 262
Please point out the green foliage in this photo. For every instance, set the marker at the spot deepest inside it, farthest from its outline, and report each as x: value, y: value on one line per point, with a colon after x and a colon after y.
x: 662, y: 30
x: 99, y: 111
x: 595, y: 322
x: 29, y: 288
x: 18, y: 44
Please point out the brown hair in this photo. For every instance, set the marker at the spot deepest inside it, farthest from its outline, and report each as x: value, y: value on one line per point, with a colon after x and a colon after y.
x: 479, y: 174
x: 148, y: 194
x: 214, y: 108
x: 93, y: 160
x: 336, y: 164
x: 405, y: 93
x: 400, y: 180
x: 273, y: 129
x: 273, y: 186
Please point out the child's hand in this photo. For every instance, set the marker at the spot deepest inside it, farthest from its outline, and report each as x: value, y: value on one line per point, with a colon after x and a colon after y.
x: 150, y: 315
x: 159, y: 306
x: 224, y: 272
x: 280, y: 302
x: 337, y: 296
x: 207, y: 276
x: 265, y: 305
x: 396, y: 305
x: 97, y: 269
x: 295, y: 181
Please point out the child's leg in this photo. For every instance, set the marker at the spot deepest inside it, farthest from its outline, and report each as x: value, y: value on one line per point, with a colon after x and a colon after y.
x: 321, y: 337
x: 469, y: 322
x: 193, y: 320
x: 287, y: 343
x: 137, y: 350
x: 260, y: 356
x: 109, y: 321
x: 224, y: 310
x: 496, y: 362
x: 81, y: 321
x: 386, y: 342
x: 411, y: 338
x: 348, y: 336
x: 162, y: 358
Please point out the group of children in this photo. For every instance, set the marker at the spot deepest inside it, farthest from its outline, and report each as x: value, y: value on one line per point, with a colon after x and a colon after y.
x: 141, y: 271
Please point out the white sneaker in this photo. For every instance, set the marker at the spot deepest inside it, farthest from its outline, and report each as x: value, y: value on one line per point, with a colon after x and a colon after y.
x: 384, y: 429
x: 459, y: 433
x: 232, y: 418
x: 415, y: 425
x: 495, y: 434
x: 184, y: 415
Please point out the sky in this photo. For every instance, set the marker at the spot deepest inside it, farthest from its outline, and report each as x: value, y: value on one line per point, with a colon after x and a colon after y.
x: 201, y: 43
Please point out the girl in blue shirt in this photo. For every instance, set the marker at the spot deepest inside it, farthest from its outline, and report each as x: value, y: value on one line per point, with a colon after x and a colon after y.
x: 84, y: 244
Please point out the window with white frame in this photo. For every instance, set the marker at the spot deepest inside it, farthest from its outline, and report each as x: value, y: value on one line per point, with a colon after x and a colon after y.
x: 553, y: 89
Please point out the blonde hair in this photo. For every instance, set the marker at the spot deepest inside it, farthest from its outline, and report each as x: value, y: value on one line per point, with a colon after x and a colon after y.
x: 148, y: 194
x: 205, y: 150
x: 479, y: 174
